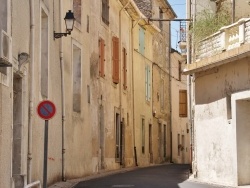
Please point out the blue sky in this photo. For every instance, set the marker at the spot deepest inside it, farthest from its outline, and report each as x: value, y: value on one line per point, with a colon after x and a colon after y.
x: 179, y: 7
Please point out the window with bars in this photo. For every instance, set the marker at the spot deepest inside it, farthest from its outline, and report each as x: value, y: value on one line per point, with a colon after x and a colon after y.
x: 105, y: 11
x: 183, y: 103
x: 115, y: 42
x: 148, y: 82
x: 101, y: 57
x: 124, y: 54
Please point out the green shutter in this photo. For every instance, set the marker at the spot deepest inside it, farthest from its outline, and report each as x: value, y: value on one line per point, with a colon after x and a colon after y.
x: 149, y: 83
x: 141, y: 40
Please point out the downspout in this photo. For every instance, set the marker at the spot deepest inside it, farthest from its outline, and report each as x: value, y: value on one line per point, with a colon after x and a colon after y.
x: 233, y: 11
x: 120, y: 60
x: 133, y: 88
x: 62, y: 95
x: 189, y: 88
x: 31, y: 92
x: 170, y: 94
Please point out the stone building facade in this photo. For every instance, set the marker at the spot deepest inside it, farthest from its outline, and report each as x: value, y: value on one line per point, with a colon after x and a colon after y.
x: 100, y: 81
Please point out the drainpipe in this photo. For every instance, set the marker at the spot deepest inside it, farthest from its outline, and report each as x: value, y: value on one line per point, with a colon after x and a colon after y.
x: 133, y: 88
x: 189, y: 88
x: 62, y: 95
x: 233, y: 11
x: 31, y: 91
x: 170, y: 94
x: 120, y: 60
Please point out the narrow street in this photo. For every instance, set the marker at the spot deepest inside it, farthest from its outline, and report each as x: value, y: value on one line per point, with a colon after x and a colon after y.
x: 163, y: 176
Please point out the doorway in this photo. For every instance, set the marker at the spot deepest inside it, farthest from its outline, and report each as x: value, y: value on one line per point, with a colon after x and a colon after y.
x: 243, y: 141
x: 102, y: 139
x: 17, y: 149
x: 150, y: 144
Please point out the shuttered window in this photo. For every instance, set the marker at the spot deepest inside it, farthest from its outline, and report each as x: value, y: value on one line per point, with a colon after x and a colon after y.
x: 141, y: 40
x: 101, y: 57
x: 124, y: 54
x: 148, y: 82
x: 115, y: 42
x: 183, y: 103
x: 105, y: 11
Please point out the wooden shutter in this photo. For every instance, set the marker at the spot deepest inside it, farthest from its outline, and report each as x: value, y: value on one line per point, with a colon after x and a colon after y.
x: 124, y: 68
x: 183, y: 103
x: 115, y: 60
x: 101, y: 57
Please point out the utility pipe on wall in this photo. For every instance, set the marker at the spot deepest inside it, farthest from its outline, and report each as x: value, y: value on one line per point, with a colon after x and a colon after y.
x: 62, y: 94
x: 31, y: 91
x: 120, y: 60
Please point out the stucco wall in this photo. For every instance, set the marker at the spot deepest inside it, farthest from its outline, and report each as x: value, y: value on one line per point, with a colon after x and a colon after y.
x: 215, y: 134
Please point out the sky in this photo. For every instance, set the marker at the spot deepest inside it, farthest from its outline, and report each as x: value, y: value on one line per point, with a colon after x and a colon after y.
x: 179, y: 7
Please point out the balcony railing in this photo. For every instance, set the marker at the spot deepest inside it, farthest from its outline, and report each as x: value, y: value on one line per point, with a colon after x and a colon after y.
x: 228, y: 37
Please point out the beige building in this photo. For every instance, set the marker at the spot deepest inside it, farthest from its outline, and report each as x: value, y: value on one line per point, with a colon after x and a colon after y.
x: 179, y: 118
x: 104, y: 80
x: 151, y: 84
x: 220, y: 77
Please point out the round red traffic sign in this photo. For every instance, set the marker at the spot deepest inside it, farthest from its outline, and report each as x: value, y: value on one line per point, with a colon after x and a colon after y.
x: 46, y: 109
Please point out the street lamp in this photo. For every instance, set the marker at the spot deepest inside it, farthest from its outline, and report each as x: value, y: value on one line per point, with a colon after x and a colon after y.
x: 69, y: 22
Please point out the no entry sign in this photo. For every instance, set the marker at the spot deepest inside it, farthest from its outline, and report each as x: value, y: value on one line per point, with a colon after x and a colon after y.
x: 46, y: 109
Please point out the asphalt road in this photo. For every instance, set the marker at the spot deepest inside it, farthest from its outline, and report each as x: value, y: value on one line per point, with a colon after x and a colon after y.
x: 163, y: 176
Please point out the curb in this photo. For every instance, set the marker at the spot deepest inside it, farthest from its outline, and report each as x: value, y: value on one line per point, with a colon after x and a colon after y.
x: 74, y: 182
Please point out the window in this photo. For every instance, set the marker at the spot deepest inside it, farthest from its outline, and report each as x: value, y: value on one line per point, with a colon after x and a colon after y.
x: 124, y: 54
x: 162, y: 94
x: 148, y: 82
x: 161, y: 17
x: 105, y: 11
x: 44, y: 54
x: 88, y: 92
x: 179, y: 144
x: 101, y: 57
x: 179, y: 71
x: 87, y: 23
x: 76, y: 79
x: 3, y: 70
x: 77, y: 6
x: 143, y: 136
x: 141, y: 40
x: 183, y: 103
x: 115, y: 42
x: 117, y: 137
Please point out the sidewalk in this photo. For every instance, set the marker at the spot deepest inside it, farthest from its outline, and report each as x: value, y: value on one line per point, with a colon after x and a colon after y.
x: 73, y: 182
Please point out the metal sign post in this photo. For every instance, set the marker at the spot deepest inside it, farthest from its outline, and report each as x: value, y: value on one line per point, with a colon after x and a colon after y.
x: 46, y: 110
x: 45, y: 159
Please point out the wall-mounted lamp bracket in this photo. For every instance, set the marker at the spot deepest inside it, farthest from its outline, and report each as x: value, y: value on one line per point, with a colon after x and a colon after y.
x: 59, y: 35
